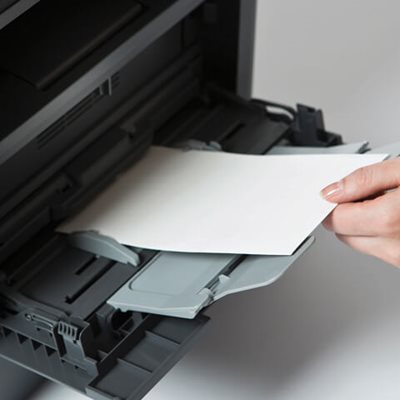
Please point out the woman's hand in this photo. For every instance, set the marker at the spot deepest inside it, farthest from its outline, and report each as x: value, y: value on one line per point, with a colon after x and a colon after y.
x: 368, y: 215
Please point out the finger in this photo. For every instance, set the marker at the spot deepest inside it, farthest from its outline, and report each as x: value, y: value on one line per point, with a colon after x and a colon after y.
x: 385, y: 249
x: 356, y: 219
x: 364, y: 182
x: 377, y: 217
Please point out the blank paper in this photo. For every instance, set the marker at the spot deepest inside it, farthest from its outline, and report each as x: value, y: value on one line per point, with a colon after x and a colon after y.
x: 215, y: 202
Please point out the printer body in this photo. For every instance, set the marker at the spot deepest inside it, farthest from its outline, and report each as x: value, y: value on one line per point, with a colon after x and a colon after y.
x: 85, y: 89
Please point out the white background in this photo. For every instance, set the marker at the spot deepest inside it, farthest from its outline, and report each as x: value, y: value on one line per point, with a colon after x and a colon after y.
x: 330, y: 329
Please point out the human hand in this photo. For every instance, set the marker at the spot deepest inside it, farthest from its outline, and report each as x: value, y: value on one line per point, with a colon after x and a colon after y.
x: 367, y: 217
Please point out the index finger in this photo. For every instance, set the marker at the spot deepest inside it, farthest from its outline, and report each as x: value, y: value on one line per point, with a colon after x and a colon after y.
x: 365, y: 182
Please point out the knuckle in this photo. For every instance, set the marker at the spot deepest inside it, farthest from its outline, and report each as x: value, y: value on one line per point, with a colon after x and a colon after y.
x: 387, y: 223
x: 387, y: 215
x: 362, y: 177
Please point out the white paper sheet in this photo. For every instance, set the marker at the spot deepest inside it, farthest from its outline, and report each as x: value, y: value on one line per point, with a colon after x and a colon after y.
x: 210, y: 202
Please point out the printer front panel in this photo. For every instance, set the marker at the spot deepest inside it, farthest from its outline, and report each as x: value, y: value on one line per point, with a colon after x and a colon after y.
x: 160, y: 95
x: 163, y: 72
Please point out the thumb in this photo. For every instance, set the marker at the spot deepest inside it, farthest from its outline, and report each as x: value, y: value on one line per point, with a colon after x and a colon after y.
x: 364, y: 182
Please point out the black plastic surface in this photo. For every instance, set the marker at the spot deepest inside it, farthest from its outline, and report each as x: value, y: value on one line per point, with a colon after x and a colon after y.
x: 53, y: 36
x: 118, y: 121
x: 10, y: 10
x: 27, y: 111
x: 309, y: 129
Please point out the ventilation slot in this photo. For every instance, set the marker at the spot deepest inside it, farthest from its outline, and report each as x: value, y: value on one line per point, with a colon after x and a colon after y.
x: 36, y: 345
x: 105, y: 89
x: 6, y: 332
x: 49, y: 351
x: 115, y: 80
x: 21, y: 339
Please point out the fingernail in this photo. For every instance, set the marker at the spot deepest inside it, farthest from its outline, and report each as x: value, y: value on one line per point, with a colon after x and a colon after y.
x: 332, y: 191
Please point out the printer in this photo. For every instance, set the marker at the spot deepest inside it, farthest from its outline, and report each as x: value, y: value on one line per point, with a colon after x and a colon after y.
x: 86, y: 87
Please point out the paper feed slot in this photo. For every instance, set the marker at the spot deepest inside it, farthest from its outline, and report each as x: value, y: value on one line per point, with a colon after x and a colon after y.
x: 182, y: 284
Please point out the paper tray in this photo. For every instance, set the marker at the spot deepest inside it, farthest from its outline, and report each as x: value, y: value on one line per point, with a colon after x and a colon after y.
x: 182, y: 284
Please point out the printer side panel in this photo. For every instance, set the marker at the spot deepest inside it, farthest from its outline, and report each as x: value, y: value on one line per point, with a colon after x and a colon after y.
x: 229, y: 37
x: 246, y: 43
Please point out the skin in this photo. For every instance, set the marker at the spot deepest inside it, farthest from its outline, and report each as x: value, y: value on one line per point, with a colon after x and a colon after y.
x: 367, y: 217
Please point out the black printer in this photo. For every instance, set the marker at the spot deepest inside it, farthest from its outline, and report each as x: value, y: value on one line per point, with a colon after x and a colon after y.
x: 85, y: 88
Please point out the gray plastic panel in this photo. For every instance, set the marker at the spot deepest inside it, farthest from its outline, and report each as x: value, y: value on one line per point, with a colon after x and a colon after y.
x: 54, y: 321
x: 181, y: 285
x: 144, y: 359
x: 258, y: 271
x: 104, y: 246
x: 17, y: 383
x: 172, y: 284
x: 352, y: 148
